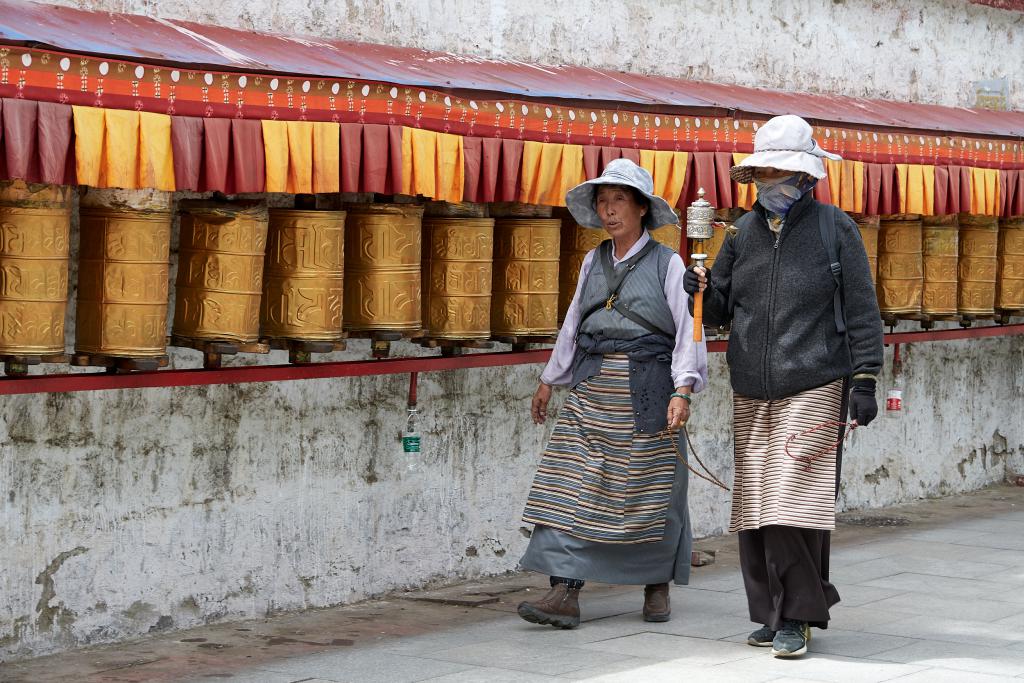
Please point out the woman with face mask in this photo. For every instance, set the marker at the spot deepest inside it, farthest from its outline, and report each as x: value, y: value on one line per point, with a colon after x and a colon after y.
x: 805, y: 347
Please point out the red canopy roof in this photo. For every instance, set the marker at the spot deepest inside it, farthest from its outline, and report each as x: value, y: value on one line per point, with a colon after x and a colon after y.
x: 189, y: 44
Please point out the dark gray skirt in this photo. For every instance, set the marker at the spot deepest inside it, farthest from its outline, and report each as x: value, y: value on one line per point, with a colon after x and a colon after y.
x: 556, y: 553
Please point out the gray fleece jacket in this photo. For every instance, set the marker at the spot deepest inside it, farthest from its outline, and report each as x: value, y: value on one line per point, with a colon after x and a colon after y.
x: 777, y: 291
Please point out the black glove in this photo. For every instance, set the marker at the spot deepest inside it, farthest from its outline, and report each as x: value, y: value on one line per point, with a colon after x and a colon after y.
x: 690, y: 281
x: 863, y: 407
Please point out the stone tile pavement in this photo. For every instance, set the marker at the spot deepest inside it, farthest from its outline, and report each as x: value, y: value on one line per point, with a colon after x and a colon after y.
x: 932, y: 592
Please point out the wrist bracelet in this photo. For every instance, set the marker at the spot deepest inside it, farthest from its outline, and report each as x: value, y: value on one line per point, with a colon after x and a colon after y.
x: 686, y: 397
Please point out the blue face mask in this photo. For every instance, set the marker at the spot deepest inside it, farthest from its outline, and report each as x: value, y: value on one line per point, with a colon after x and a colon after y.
x: 778, y: 195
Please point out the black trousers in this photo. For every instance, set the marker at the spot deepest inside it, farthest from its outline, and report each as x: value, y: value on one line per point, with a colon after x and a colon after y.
x: 785, y: 569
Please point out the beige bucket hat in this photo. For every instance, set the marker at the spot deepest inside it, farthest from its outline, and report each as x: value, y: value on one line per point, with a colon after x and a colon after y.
x: 786, y: 143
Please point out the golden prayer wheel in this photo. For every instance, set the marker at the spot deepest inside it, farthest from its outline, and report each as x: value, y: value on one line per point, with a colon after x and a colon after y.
x: 457, y: 271
x: 669, y: 235
x: 383, y: 266
x: 525, y: 299
x: 220, y: 272
x: 900, y: 265
x: 868, y: 227
x: 719, y: 233
x: 35, y: 223
x: 1011, y: 264
x: 576, y: 242
x: 123, y: 282
x: 939, y: 256
x: 979, y: 243
x: 303, y: 275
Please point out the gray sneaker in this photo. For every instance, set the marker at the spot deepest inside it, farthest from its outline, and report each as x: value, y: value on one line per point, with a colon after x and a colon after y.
x: 762, y: 637
x: 791, y: 640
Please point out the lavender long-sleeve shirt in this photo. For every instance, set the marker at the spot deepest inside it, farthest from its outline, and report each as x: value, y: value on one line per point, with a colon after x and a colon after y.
x: 689, y: 358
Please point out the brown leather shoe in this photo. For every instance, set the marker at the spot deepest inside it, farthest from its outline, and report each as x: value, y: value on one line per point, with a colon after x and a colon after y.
x: 656, y: 602
x: 559, y: 608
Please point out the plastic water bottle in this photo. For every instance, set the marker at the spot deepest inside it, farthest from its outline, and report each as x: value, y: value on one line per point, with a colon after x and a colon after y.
x: 894, y: 397
x: 411, y: 441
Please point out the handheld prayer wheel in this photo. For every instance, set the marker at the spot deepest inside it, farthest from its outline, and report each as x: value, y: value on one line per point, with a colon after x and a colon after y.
x: 868, y: 227
x: 123, y: 284
x: 979, y: 242
x: 382, y: 261
x: 457, y: 272
x: 939, y: 258
x: 575, y: 243
x: 525, y: 291
x: 303, y: 274
x: 35, y: 223
x: 1010, y: 296
x: 220, y: 272
x: 900, y: 265
x: 700, y: 217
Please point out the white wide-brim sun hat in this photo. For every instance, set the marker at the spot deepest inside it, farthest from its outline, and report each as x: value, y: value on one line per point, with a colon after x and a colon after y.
x: 580, y: 199
x: 784, y: 143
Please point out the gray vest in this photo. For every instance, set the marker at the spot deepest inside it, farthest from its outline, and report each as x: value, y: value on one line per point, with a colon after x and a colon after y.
x: 642, y: 292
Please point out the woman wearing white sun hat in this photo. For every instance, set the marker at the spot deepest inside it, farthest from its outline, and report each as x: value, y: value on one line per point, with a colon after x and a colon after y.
x: 805, y: 347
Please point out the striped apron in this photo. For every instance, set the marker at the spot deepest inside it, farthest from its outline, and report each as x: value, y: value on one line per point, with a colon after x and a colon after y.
x: 771, y: 487
x: 597, y: 479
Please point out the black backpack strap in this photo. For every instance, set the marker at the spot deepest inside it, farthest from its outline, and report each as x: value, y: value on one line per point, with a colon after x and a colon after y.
x: 829, y: 239
x: 614, y: 279
x: 626, y: 312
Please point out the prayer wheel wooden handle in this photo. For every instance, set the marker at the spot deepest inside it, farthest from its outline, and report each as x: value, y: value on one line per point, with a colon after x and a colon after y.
x: 698, y: 316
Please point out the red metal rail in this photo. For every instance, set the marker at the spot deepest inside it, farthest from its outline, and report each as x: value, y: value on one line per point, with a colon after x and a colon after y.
x: 60, y: 383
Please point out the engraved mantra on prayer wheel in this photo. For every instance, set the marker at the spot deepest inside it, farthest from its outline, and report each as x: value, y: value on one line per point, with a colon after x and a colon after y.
x: 35, y: 223
x: 382, y: 261
x: 123, y: 282
x: 979, y: 241
x: 669, y: 235
x: 220, y: 272
x: 900, y: 265
x: 575, y: 242
x: 525, y: 298
x: 714, y: 245
x: 1011, y: 264
x: 868, y: 227
x: 302, y: 275
x: 457, y: 271
x: 939, y: 250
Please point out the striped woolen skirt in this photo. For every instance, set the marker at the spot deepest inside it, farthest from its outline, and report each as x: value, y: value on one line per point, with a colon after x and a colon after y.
x: 597, y: 479
x: 771, y: 487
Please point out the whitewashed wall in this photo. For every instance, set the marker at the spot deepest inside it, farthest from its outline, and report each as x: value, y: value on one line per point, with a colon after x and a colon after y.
x: 129, y: 512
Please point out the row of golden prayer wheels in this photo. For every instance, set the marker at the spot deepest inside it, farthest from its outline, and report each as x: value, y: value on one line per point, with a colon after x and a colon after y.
x: 251, y: 278
x: 953, y: 267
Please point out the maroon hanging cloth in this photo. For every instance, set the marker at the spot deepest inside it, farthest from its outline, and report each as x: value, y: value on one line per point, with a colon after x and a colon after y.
x: 351, y: 156
x: 490, y: 168
x: 889, y: 200
x: 1015, y: 188
x: 953, y: 195
x: 511, y: 167
x: 376, y: 158
x: 216, y: 154
x: 965, y: 188
x: 20, y: 131
x: 703, y: 176
x: 187, y: 149
x: 941, y: 206
x: 631, y: 154
x: 591, y: 161
x: 3, y: 154
x: 726, y: 198
x: 394, y: 182
x: 54, y: 129
x: 822, y: 191
x: 472, y: 163
x: 248, y: 167
x: 609, y: 154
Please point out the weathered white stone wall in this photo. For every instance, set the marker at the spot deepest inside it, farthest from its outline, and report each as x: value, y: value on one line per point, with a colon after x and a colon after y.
x: 123, y: 513
x: 917, y: 50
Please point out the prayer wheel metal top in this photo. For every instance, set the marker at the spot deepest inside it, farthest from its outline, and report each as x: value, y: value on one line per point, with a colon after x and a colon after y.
x: 979, y: 243
x: 900, y: 265
x: 123, y: 284
x: 525, y: 293
x: 303, y: 275
x: 220, y: 271
x: 35, y: 225
x: 939, y: 259
x: 1010, y: 294
x: 575, y: 242
x: 382, y: 262
x: 457, y: 272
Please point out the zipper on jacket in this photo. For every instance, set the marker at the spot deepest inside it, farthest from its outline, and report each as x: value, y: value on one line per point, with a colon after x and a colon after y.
x: 771, y: 310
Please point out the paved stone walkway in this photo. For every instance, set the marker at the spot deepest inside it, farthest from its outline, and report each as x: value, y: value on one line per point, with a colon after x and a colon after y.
x: 930, y: 593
